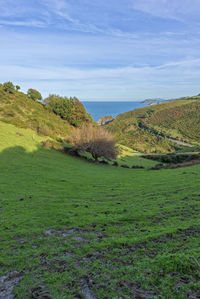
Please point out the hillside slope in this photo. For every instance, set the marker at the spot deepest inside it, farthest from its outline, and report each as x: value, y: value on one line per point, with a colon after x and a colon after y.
x: 148, y: 129
x: 18, y: 109
x: 70, y: 228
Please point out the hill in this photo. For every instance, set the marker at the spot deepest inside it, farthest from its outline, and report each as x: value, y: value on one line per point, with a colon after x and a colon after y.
x: 20, y: 110
x: 73, y: 229
x: 152, y: 129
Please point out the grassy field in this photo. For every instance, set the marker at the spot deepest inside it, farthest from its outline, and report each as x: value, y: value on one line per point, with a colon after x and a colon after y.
x: 73, y: 229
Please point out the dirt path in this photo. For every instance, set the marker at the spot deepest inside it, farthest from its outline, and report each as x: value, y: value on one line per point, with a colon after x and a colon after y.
x: 180, y: 142
x: 161, y: 154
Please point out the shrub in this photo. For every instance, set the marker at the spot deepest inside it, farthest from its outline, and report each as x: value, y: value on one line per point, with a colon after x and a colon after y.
x: 51, y: 144
x: 94, y: 140
x: 70, y: 109
x: 34, y: 94
x: 137, y: 167
x: 125, y: 166
x: 9, y: 87
x: 104, y: 162
x: 157, y: 167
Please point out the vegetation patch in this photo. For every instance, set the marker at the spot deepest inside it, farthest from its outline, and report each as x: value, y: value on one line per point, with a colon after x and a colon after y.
x: 153, y: 130
x: 54, y: 117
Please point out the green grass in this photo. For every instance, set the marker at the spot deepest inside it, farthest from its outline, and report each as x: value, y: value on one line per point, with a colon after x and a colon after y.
x: 128, y: 156
x: 13, y: 136
x: 136, y: 161
x: 148, y: 129
x: 127, y: 233
x: 18, y: 109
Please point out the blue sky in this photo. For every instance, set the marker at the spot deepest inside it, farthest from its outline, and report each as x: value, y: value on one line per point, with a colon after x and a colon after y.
x: 102, y: 49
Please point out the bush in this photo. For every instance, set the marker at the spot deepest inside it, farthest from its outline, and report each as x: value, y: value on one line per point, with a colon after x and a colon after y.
x: 51, y: 144
x: 137, y: 167
x: 125, y: 166
x: 104, y: 162
x: 70, y: 109
x: 9, y: 87
x: 157, y: 167
x: 34, y: 94
x: 173, y: 158
x: 94, y: 140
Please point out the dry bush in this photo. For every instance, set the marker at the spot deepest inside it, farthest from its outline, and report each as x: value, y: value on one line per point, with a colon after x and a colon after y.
x: 94, y: 140
x: 51, y: 144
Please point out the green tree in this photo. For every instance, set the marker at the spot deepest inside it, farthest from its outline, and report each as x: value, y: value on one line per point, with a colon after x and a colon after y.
x: 34, y: 94
x: 78, y: 113
x: 9, y: 87
x: 60, y: 106
x: 18, y: 87
x: 70, y: 109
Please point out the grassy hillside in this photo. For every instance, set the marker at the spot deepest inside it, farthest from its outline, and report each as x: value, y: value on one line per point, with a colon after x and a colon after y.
x: 73, y: 229
x: 146, y: 129
x: 21, y: 111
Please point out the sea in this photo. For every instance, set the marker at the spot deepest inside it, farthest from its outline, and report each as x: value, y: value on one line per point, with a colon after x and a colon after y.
x: 98, y: 109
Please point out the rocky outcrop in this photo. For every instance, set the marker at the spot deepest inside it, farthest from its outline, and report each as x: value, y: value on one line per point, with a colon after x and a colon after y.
x: 104, y: 120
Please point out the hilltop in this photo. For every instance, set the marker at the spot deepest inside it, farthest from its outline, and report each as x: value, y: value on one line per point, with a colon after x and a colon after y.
x: 160, y: 100
x: 152, y: 129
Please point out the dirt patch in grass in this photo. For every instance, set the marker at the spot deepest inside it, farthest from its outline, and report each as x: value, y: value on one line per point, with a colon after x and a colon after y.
x: 39, y: 293
x: 8, y: 283
x: 60, y: 233
x: 191, y: 231
x: 78, y: 234
x: 85, y: 289
x: 193, y: 294
x: 137, y: 291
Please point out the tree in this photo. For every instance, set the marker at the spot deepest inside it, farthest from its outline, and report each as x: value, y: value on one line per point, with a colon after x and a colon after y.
x: 70, y: 109
x: 78, y: 113
x: 18, y: 87
x: 9, y: 87
x: 60, y: 106
x: 34, y: 94
x: 94, y: 140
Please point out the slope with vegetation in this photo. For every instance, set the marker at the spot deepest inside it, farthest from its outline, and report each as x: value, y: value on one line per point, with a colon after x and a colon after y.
x: 25, y: 111
x: 149, y: 129
x: 73, y: 229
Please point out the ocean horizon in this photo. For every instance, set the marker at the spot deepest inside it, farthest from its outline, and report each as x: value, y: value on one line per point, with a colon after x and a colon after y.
x: 110, y: 108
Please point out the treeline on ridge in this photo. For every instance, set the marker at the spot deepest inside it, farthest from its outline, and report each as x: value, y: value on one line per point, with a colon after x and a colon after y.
x: 70, y: 109
x: 53, y: 116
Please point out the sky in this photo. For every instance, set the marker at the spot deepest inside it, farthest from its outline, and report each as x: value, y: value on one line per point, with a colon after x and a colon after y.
x: 102, y: 50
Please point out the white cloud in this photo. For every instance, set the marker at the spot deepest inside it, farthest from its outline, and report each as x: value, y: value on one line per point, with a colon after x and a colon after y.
x: 121, y: 62
x: 172, y: 9
x: 168, y: 80
x: 29, y: 23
